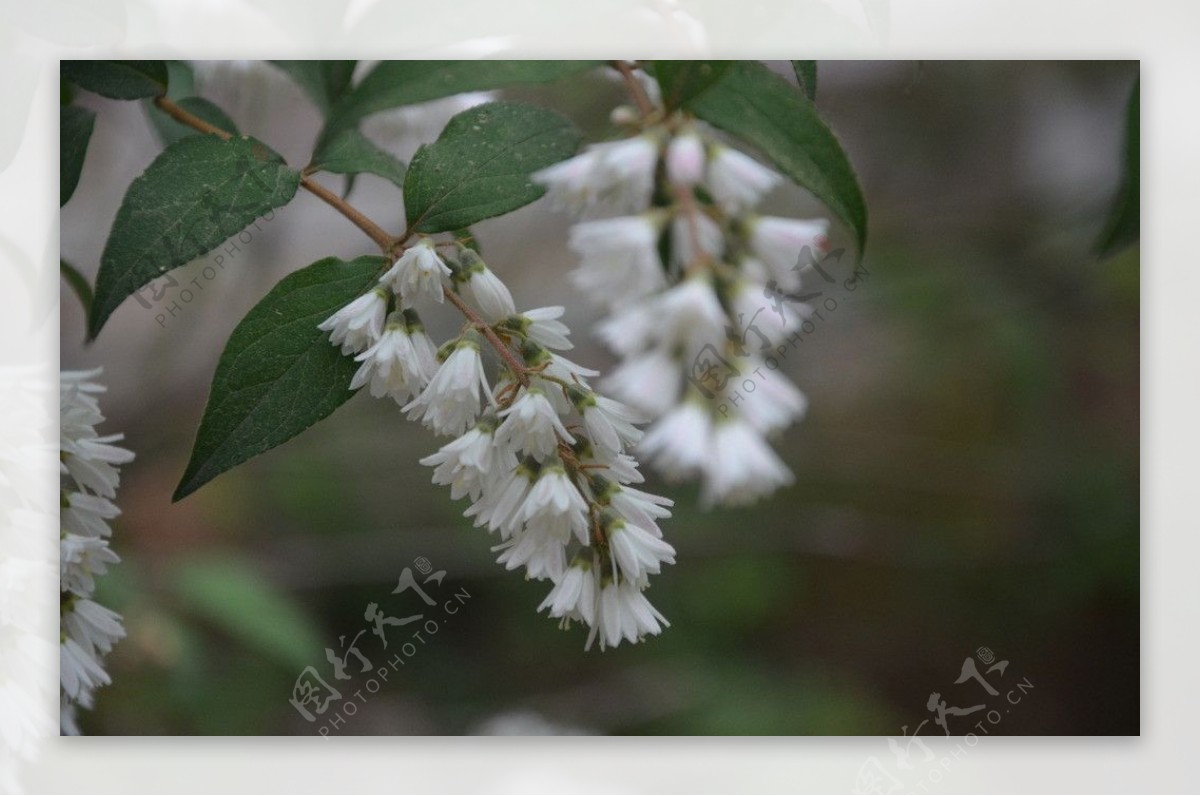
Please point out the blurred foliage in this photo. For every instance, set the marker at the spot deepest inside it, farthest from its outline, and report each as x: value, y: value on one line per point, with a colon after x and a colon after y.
x: 967, y: 476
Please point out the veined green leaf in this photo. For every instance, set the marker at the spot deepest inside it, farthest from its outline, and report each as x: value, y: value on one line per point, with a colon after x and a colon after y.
x: 323, y: 81
x: 353, y: 153
x: 392, y: 84
x: 75, y: 130
x: 762, y: 109
x: 480, y: 166
x: 806, y: 76
x: 194, y: 196
x: 278, y: 374
x: 124, y: 80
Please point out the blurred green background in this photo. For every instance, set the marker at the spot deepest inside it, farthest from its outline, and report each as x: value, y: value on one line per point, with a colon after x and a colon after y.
x: 967, y: 475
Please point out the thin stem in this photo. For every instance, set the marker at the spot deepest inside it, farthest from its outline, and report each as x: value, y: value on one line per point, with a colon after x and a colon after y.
x: 687, y: 202
x: 376, y: 233
x: 502, y: 350
x: 636, y: 89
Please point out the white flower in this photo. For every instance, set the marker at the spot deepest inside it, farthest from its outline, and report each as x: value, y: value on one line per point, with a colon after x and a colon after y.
x: 417, y: 274
x: 760, y: 314
x: 609, y: 423
x: 358, y: 324
x: 486, y: 290
x: 619, y: 258
x: 695, y: 235
x: 470, y: 462
x: 555, y: 507
x: 574, y: 594
x: 81, y: 559
x: 450, y: 402
x: 680, y: 442
x: 779, y: 242
x: 91, y: 462
x: 92, y: 626
x: 541, y: 326
x: 685, y: 159
x: 392, y: 365
x: 741, y: 467
x: 502, y: 498
x: 532, y: 425
x: 541, y: 553
x: 775, y: 403
x: 631, y: 328
x: 736, y: 180
x: 624, y: 613
x: 86, y: 514
x: 79, y: 671
x: 636, y: 551
x: 650, y: 381
x: 641, y: 508
x: 689, y: 314
x: 619, y: 174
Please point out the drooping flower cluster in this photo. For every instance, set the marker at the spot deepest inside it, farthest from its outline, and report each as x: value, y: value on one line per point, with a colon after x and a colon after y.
x: 698, y: 291
x: 540, y: 456
x: 90, y: 475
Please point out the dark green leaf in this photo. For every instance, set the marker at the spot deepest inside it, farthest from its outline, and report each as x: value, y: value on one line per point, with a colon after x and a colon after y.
x: 323, y: 81
x: 125, y: 80
x: 680, y: 81
x: 761, y: 108
x: 171, y: 130
x: 78, y: 283
x: 353, y: 153
x: 1124, y: 222
x: 806, y: 76
x: 392, y: 84
x: 234, y: 597
x: 195, y: 195
x: 75, y: 130
x: 480, y: 166
x: 278, y: 374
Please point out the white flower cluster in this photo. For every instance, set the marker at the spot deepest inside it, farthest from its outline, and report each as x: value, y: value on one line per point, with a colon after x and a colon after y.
x: 696, y: 288
x: 541, y: 457
x: 90, y: 476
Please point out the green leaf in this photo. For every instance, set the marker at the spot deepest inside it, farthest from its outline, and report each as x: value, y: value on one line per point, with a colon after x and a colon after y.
x: 680, y: 81
x: 1124, y: 222
x: 124, y: 80
x: 392, y: 84
x: 323, y: 81
x: 762, y: 109
x: 353, y: 153
x: 78, y: 283
x: 230, y: 594
x: 196, y: 194
x: 480, y: 166
x: 75, y: 130
x: 806, y: 76
x: 278, y: 374
x: 171, y: 130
